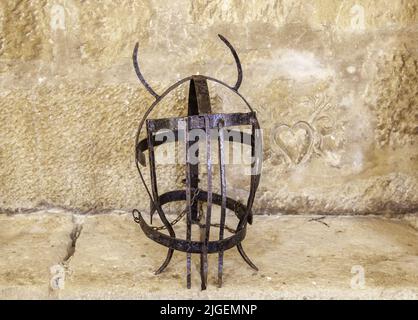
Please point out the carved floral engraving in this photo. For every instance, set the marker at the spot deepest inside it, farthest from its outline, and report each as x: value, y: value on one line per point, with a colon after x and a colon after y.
x: 299, y: 141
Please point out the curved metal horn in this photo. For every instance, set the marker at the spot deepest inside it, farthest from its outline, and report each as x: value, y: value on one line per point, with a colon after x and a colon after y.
x: 139, y: 74
x: 238, y: 63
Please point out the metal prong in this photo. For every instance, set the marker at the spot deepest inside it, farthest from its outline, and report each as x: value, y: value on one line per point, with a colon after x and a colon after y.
x: 166, y: 262
x: 245, y: 257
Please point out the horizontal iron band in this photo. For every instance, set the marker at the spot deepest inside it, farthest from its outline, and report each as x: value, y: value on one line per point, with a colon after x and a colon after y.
x: 158, y: 139
x: 198, y: 121
x: 178, y: 195
x: 191, y: 246
x: 195, y: 246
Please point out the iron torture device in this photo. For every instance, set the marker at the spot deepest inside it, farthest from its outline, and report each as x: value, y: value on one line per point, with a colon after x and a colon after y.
x: 214, y: 127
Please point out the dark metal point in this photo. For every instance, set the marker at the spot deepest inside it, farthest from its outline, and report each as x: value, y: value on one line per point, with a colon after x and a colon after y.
x: 166, y: 262
x: 245, y: 257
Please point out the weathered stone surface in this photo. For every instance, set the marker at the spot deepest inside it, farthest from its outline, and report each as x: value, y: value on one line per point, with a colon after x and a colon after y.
x: 111, y: 258
x: 33, y: 249
x: 298, y: 257
x: 70, y: 102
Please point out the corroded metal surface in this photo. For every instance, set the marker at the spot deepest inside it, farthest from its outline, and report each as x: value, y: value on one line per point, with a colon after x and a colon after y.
x: 199, y: 117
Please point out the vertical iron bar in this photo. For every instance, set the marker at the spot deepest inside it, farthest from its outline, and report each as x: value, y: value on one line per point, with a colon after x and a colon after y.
x: 253, y: 186
x: 189, y: 204
x: 223, y: 195
x: 206, y: 235
x: 203, y: 254
x: 193, y: 109
x: 253, y: 183
x: 199, y: 103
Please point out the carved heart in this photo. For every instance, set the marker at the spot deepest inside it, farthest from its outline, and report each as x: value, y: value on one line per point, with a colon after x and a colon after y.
x: 295, y: 142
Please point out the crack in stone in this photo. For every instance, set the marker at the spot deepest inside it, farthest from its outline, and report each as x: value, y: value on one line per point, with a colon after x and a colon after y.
x: 60, y: 270
x: 74, y: 235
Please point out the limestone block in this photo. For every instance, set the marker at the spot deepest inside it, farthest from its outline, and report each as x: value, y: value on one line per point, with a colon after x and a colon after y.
x: 298, y: 257
x: 33, y: 250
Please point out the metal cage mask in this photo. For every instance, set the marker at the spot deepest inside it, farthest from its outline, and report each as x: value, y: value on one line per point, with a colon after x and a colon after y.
x: 199, y: 116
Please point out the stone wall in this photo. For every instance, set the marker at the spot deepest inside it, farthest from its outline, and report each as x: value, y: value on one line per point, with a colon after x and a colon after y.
x: 70, y: 102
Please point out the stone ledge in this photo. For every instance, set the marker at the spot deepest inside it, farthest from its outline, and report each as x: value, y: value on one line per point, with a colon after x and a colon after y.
x: 298, y: 256
x: 30, y: 245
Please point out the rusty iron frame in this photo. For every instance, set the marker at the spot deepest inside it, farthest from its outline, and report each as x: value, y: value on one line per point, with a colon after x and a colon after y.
x: 199, y: 116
